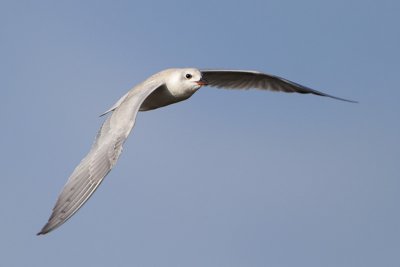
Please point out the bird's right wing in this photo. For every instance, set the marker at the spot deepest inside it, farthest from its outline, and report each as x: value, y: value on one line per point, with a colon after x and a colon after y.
x: 104, y: 153
x: 246, y: 79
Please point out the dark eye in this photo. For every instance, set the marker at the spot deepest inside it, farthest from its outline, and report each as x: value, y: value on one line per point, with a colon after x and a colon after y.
x: 188, y: 76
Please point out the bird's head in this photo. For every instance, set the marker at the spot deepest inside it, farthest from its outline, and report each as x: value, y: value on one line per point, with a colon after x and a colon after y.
x: 185, y: 81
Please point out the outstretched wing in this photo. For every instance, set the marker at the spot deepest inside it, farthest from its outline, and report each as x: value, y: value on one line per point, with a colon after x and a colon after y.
x: 243, y: 79
x: 103, y: 155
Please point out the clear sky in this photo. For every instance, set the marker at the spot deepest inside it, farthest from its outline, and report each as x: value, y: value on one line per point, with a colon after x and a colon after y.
x: 227, y: 178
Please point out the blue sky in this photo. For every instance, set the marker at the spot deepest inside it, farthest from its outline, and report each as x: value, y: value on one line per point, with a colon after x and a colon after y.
x: 227, y: 178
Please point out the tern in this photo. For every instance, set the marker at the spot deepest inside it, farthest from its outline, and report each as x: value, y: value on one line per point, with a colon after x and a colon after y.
x: 161, y: 89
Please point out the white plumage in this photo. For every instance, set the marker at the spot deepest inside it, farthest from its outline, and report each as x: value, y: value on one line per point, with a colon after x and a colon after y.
x: 161, y: 89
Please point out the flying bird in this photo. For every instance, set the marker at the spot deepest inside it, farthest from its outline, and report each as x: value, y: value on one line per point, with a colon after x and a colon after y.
x: 161, y: 89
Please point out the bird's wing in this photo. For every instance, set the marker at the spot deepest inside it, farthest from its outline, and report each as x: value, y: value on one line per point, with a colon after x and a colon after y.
x: 104, y: 153
x: 116, y: 104
x: 243, y: 79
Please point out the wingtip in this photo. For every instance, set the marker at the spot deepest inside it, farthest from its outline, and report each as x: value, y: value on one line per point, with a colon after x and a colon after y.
x: 41, y: 232
x: 345, y: 100
x: 44, y: 230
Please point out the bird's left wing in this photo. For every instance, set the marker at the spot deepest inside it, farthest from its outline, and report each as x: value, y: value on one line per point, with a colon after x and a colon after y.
x: 103, y: 155
x: 245, y: 79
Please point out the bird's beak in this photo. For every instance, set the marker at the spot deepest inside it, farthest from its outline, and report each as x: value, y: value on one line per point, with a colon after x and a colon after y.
x: 202, y: 82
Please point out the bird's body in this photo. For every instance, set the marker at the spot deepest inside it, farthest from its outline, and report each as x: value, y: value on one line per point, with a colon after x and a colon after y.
x: 161, y: 89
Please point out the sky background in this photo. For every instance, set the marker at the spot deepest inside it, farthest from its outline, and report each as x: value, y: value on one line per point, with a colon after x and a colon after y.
x: 227, y: 178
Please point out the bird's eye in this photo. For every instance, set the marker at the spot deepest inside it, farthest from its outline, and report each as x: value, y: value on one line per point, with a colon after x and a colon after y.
x: 188, y: 76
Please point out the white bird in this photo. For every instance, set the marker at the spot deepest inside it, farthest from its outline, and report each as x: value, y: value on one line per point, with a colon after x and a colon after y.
x: 164, y: 88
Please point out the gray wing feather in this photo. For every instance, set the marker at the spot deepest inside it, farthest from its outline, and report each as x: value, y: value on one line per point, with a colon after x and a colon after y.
x: 103, y: 155
x: 242, y: 79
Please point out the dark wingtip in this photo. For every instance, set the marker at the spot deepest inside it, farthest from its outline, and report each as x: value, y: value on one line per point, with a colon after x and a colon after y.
x: 343, y: 99
x: 44, y: 230
x: 40, y: 233
x: 315, y: 92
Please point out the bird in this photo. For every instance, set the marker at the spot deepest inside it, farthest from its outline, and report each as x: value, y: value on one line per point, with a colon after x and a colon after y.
x: 161, y: 89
